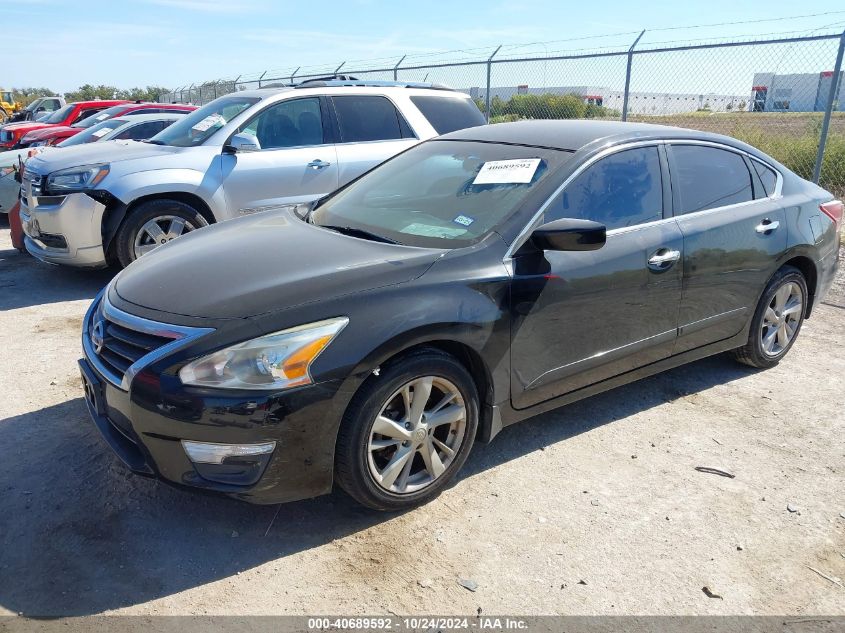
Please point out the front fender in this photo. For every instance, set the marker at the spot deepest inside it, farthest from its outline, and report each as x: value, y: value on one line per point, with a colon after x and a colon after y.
x: 136, y: 185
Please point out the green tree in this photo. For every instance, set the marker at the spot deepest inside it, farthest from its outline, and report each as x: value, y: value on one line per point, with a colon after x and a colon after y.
x: 28, y: 95
x: 88, y: 92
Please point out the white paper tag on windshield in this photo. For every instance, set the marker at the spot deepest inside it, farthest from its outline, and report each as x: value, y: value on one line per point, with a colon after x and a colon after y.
x: 100, y: 133
x: 101, y: 117
x: 516, y: 171
x: 209, y: 122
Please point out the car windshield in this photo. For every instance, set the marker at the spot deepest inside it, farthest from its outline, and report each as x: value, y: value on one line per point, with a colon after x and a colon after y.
x: 60, y: 115
x: 93, y: 133
x: 441, y: 194
x: 101, y: 116
x: 200, y: 124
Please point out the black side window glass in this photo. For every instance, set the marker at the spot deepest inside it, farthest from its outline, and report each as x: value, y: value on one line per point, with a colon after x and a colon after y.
x: 767, y: 176
x: 708, y: 177
x: 621, y: 190
x: 363, y: 118
x: 288, y: 123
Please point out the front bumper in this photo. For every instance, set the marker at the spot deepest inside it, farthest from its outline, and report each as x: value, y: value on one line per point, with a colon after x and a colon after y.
x: 145, y: 421
x: 64, y: 229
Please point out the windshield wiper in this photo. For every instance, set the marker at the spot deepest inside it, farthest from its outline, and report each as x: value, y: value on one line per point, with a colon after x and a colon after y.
x: 153, y: 142
x: 356, y: 232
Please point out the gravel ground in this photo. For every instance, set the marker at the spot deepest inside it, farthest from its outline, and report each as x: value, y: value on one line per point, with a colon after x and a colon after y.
x: 595, y: 508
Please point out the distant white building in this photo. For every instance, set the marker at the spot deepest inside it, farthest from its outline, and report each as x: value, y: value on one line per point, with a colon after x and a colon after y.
x: 638, y: 102
x: 800, y: 92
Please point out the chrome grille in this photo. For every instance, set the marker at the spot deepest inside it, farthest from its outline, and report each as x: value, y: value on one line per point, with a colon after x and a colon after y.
x: 33, y: 180
x: 119, y: 344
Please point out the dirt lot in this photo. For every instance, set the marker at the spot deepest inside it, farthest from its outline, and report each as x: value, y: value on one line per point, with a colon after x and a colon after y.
x: 594, y: 508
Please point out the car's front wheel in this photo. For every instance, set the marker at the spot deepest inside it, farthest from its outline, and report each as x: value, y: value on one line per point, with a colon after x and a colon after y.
x: 777, y: 320
x: 407, y: 431
x: 152, y: 224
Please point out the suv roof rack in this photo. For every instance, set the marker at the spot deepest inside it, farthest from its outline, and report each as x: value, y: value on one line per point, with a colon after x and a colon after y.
x: 344, y: 80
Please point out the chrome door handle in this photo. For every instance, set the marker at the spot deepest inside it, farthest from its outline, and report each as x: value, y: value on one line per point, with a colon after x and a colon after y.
x: 767, y: 225
x: 661, y: 257
x: 318, y: 164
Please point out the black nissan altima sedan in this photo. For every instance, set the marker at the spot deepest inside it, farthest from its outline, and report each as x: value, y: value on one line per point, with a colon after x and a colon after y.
x: 475, y: 280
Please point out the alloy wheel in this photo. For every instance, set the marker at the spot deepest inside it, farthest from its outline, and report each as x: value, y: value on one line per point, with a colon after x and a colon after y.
x: 159, y: 231
x: 782, y: 318
x: 416, y: 434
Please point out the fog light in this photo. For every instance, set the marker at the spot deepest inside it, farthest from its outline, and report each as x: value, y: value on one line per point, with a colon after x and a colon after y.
x: 207, y: 453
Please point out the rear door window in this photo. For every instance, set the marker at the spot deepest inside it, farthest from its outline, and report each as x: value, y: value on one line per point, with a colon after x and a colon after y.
x: 369, y: 118
x: 143, y: 131
x: 708, y: 177
x: 448, y: 114
x: 621, y: 190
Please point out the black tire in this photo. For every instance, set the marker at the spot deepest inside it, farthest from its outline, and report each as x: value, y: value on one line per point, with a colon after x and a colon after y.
x: 352, y: 470
x: 753, y: 353
x: 124, y: 239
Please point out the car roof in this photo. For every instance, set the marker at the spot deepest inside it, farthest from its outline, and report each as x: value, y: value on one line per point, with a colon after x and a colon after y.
x: 352, y: 88
x: 573, y: 134
x: 103, y: 102
x: 155, y: 116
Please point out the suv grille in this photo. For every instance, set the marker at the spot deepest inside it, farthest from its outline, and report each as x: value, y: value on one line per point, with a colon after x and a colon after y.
x: 27, y: 178
x: 120, y: 344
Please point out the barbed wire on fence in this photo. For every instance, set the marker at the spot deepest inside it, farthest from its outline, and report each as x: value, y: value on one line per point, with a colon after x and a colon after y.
x: 781, y: 92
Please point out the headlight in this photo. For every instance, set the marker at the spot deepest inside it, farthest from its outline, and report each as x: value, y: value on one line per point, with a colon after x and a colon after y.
x: 76, y: 178
x: 276, y: 361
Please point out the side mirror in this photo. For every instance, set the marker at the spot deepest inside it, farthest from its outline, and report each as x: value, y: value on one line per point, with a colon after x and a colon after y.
x: 243, y: 142
x: 570, y: 235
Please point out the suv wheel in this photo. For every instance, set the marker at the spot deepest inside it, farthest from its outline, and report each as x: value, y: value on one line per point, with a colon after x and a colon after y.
x: 777, y: 320
x: 152, y: 224
x: 407, y: 432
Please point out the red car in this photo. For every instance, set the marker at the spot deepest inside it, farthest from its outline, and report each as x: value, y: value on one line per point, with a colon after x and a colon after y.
x: 57, y: 133
x: 12, y: 133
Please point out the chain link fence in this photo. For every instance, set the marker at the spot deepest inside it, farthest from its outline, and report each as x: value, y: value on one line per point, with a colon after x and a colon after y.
x: 784, y: 95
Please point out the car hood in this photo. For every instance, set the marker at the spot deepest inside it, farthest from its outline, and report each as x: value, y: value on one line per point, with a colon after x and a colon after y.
x: 25, y: 126
x: 263, y: 263
x: 96, y: 153
x: 52, y: 130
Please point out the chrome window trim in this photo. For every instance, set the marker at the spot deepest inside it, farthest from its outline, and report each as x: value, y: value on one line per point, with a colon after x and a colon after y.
x: 779, y: 176
x: 181, y: 335
x: 532, y: 224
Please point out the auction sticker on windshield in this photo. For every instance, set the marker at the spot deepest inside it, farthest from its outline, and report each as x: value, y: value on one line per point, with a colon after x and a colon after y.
x: 209, y: 122
x: 499, y: 172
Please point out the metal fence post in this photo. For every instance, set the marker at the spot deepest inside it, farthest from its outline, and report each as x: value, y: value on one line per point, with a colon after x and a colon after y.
x: 831, y: 97
x: 261, y: 77
x: 628, y: 76
x: 396, y: 68
x: 337, y: 70
x: 293, y: 74
x: 489, y: 77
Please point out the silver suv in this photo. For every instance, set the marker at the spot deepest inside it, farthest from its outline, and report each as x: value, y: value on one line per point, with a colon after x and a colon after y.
x: 242, y: 153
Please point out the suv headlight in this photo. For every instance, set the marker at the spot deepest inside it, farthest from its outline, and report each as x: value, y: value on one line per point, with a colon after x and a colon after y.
x: 275, y: 361
x: 76, y: 178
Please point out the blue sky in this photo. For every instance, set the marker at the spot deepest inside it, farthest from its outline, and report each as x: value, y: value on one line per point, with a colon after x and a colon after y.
x: 177, y: 42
